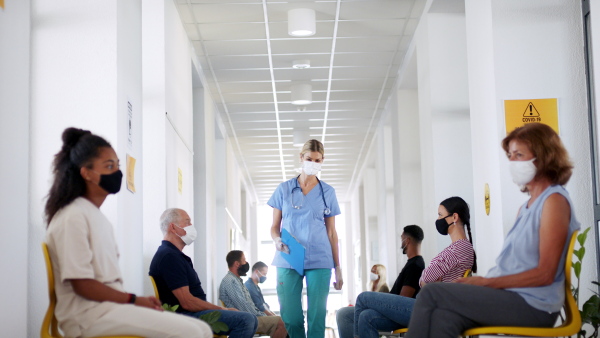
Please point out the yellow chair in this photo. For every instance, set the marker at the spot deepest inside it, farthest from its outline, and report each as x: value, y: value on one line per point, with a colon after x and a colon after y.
x: 569, y: 327
x: 154, y: 286
x: 50, y: 325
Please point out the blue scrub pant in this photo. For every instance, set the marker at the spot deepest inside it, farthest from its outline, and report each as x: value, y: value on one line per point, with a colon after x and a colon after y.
x: 289, y: 291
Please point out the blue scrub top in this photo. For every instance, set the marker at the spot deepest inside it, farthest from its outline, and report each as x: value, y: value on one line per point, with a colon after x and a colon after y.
x: 306, y: 224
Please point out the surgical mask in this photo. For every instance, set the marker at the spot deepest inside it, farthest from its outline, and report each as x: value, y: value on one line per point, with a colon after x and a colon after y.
x: 442, y: 226
x: 261, y: 278
x: 243, y: 269
x: 111, y: 183
x: 374, y: 276
x: 190, y: 234
x: 522, y: 172
x: 311, y: 168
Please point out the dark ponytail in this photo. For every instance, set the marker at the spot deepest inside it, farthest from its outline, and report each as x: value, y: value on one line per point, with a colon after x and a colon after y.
x: 458, y: 205
x: 79, y: 148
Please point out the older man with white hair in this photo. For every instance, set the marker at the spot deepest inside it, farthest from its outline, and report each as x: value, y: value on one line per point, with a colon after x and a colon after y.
x: 178, y: 283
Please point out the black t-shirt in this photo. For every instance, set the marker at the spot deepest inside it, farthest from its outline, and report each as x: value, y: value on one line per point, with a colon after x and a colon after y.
x: 410, y: 275
x: 171, y: 270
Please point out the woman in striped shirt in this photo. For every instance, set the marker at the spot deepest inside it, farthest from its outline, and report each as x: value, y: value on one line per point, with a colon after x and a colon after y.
x: 387, y: 312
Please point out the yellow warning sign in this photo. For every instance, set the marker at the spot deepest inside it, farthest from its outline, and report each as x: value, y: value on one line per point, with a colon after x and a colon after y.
x: 520, y: 112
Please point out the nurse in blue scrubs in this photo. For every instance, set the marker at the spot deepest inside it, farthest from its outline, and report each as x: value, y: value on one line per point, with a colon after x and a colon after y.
x: 306, y: 207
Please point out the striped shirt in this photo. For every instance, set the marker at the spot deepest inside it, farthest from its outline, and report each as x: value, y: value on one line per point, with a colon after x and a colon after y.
x: 451, y: 263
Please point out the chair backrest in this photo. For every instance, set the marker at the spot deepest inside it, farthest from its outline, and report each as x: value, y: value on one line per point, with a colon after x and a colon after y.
x: 573, y: 317
x: 49, y: 325
x: 155, y: 288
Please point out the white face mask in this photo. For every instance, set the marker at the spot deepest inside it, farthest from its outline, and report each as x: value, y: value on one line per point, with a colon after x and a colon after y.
x: 311, y: 168
x: 373, y: 276
x: 190, y: 234
x: 522, y: 172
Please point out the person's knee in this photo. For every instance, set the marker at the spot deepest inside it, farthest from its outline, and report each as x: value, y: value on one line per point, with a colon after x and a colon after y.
x: 361, y: 298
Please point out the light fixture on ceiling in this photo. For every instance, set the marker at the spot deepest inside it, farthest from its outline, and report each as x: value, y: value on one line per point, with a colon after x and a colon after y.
x: 301, y: 94
x: 300, y: 136
x: 301, y: 64
x: 301, y: 22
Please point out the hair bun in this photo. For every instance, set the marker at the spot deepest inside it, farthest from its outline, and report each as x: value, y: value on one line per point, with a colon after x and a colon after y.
x: 71, y: 136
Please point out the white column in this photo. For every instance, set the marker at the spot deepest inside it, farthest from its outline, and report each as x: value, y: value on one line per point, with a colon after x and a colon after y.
x: 409, y: 200
x: 487, y: 130
x: 16, y: 247
x: 445, y: 135
x: 130, y: 213
x: 386, y: 238
x: 154, y: 126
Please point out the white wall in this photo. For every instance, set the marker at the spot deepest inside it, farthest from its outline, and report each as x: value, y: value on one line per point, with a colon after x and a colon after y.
x: 73, y: 83
x: 558, y: 74
x: 14, y: 173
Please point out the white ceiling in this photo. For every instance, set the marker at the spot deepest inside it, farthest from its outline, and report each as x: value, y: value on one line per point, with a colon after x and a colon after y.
x: 246, y: 55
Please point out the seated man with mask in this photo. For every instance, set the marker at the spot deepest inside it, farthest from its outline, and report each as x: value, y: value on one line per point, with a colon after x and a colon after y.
x: 259, y: 275
x: 178, y: 283
x: 234, y: 294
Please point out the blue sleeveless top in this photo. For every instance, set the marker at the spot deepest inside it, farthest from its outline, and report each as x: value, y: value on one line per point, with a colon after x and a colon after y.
x: 521, y: 253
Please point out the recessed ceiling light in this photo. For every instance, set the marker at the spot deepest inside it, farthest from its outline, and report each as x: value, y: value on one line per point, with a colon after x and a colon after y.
x: 301, y: 64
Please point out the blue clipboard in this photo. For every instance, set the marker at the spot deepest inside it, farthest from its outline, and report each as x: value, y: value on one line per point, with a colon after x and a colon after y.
x: 296, y: 255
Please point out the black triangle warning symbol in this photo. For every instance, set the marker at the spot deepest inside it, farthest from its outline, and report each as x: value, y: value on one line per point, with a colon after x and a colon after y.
x: 531, y: 111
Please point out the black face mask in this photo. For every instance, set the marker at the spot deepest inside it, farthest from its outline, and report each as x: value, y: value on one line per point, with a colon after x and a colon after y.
x: 243, y: 269
x: 112, y: 182
x: 442, y: 226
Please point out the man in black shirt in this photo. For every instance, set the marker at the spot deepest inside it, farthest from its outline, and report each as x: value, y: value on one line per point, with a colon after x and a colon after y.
x: 407, y: 283
x: 178, y: 283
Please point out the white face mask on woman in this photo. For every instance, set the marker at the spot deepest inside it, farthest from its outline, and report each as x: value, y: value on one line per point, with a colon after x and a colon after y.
x: 374, y: 276
x: 522, y: 172
x: 311, y: 168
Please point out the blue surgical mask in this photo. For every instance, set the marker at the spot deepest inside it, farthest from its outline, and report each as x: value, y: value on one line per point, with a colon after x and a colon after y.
x: 261, y: 278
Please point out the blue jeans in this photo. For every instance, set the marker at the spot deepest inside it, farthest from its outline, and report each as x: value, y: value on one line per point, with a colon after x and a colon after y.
x: 378, y: 311
x: 345, y: 321
x: 241, y: 324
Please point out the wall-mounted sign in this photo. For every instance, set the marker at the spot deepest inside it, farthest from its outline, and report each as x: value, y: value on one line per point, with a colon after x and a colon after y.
x: 130, y: 177
x: 486, y: 199
x: 180, y: 181
x: 520, y: 112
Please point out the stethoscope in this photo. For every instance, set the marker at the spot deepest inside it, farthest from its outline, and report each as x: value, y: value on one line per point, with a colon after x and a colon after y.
x: 327, y: 211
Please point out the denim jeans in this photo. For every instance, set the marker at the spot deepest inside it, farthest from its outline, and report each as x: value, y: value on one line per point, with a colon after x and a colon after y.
x: 345, y: 321
x: 378, y: 311
x: 241, y: 324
